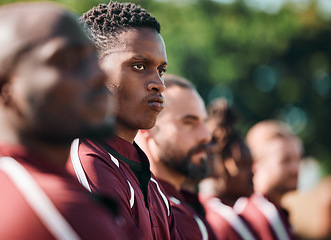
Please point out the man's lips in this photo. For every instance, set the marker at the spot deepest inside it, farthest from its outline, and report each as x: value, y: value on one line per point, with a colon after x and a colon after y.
x: 156, y: 102
x: 200, y: 153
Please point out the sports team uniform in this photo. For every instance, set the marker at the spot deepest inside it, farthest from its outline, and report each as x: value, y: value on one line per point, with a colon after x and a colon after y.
x: 268, y: 220
x: 226, y: 223
x: 193, y: 200
x: 118, y: 168
x: 189, y: 222
x: 41, y: 200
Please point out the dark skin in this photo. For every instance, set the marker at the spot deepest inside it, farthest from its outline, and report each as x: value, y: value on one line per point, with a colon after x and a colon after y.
x: 54, y: 90
x: 136, y: 63
x: 231, y: 176
x: 239, y: 175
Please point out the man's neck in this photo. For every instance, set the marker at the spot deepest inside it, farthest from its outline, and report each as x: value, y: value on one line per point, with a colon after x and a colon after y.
x: 274, y: 197
x: 228, y: 200
x: 126, y: 133
x: 10, y: 134
x: 162, y: 172
x: 56, y: 154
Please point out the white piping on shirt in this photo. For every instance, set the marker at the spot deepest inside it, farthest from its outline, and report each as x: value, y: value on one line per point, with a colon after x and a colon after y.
x: 269, y: 210
x: 117, y: 163
x: 38, y: 200
x: 162, y: 195
x: 81, y: 174
x: 202, y: 227
x: 175, y: 200
x: 131, y: 201
x: 132, y: 194
x: 231, y: 217
x: 74, y: 156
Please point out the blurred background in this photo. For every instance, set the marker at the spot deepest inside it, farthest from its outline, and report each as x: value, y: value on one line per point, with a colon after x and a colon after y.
x: 269, y: 58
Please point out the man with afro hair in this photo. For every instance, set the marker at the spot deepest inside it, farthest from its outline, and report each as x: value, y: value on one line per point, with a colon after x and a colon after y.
x: 132, y: 53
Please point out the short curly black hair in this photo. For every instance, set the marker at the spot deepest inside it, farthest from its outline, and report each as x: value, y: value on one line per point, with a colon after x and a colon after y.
x: 104, y: 22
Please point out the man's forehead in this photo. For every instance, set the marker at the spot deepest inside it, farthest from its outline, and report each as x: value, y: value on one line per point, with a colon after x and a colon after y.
x: 39, y: 21
x: 42, y: 29
x: 278, y: 147
x: 136, y: 41
x: 185, y: 103
x: 131, y: 50
x: 183, y: 96
x: 62, y: 44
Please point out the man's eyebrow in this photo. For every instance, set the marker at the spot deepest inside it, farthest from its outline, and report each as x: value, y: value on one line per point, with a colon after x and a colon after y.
x: 141, y: 58
x: 190, y: 117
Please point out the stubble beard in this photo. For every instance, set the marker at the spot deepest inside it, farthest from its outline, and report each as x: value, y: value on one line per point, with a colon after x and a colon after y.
x: 183, y: 163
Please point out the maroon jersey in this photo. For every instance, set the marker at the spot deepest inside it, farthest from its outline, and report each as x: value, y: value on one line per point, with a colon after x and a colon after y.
x: 192, y: 199
x: 119, y: 168
x: 189, y: 222
x: 41, y: 200
x: 269, y: 221
x: 225, y: 221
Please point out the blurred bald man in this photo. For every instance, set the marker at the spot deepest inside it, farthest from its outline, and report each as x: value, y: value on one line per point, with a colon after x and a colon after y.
x: 51, y: 91
x: 276, y: 153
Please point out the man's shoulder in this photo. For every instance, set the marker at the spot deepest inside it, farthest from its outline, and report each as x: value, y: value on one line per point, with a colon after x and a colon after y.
x: 52, y: 196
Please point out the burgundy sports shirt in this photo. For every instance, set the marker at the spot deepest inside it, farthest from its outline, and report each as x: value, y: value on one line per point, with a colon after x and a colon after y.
x: 268, y: 220
x: 41, y: 200
x: 192, y: 225
x: 226, y: 223
x: 117, y: 168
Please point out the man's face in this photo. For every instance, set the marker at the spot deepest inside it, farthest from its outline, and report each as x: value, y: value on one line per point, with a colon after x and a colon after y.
x: 136, y: 64
x: 58, y: 88
x: 278, y: 170
x: 180, y: 133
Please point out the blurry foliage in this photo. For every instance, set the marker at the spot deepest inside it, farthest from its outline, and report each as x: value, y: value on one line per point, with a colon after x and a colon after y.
x: 269, y: 65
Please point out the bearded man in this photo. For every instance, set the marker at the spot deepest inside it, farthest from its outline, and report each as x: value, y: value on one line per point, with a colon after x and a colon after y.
x: 176, y: 147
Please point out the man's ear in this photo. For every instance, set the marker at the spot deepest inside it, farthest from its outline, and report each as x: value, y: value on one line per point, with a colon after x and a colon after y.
x: 5, y: 92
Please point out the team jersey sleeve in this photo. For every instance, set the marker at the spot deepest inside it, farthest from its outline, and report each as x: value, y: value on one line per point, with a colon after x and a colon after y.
x: 104, y: 177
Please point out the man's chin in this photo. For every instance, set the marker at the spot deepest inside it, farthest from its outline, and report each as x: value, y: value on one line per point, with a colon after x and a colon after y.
x: 98, y: 133
x: 197, y: 173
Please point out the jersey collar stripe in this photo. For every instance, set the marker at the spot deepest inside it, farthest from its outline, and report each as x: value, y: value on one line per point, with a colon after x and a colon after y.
x: 78, y: 165
x: 202, y: 228
x: 38, y: 200
x: 232, y: 218
x: 162, y: 195
x: 270, y: 212
x: 132, y: 194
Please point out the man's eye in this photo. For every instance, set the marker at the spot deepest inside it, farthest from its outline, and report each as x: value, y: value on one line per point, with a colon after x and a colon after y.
x: 139, y: 67
x: 189, y: 123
